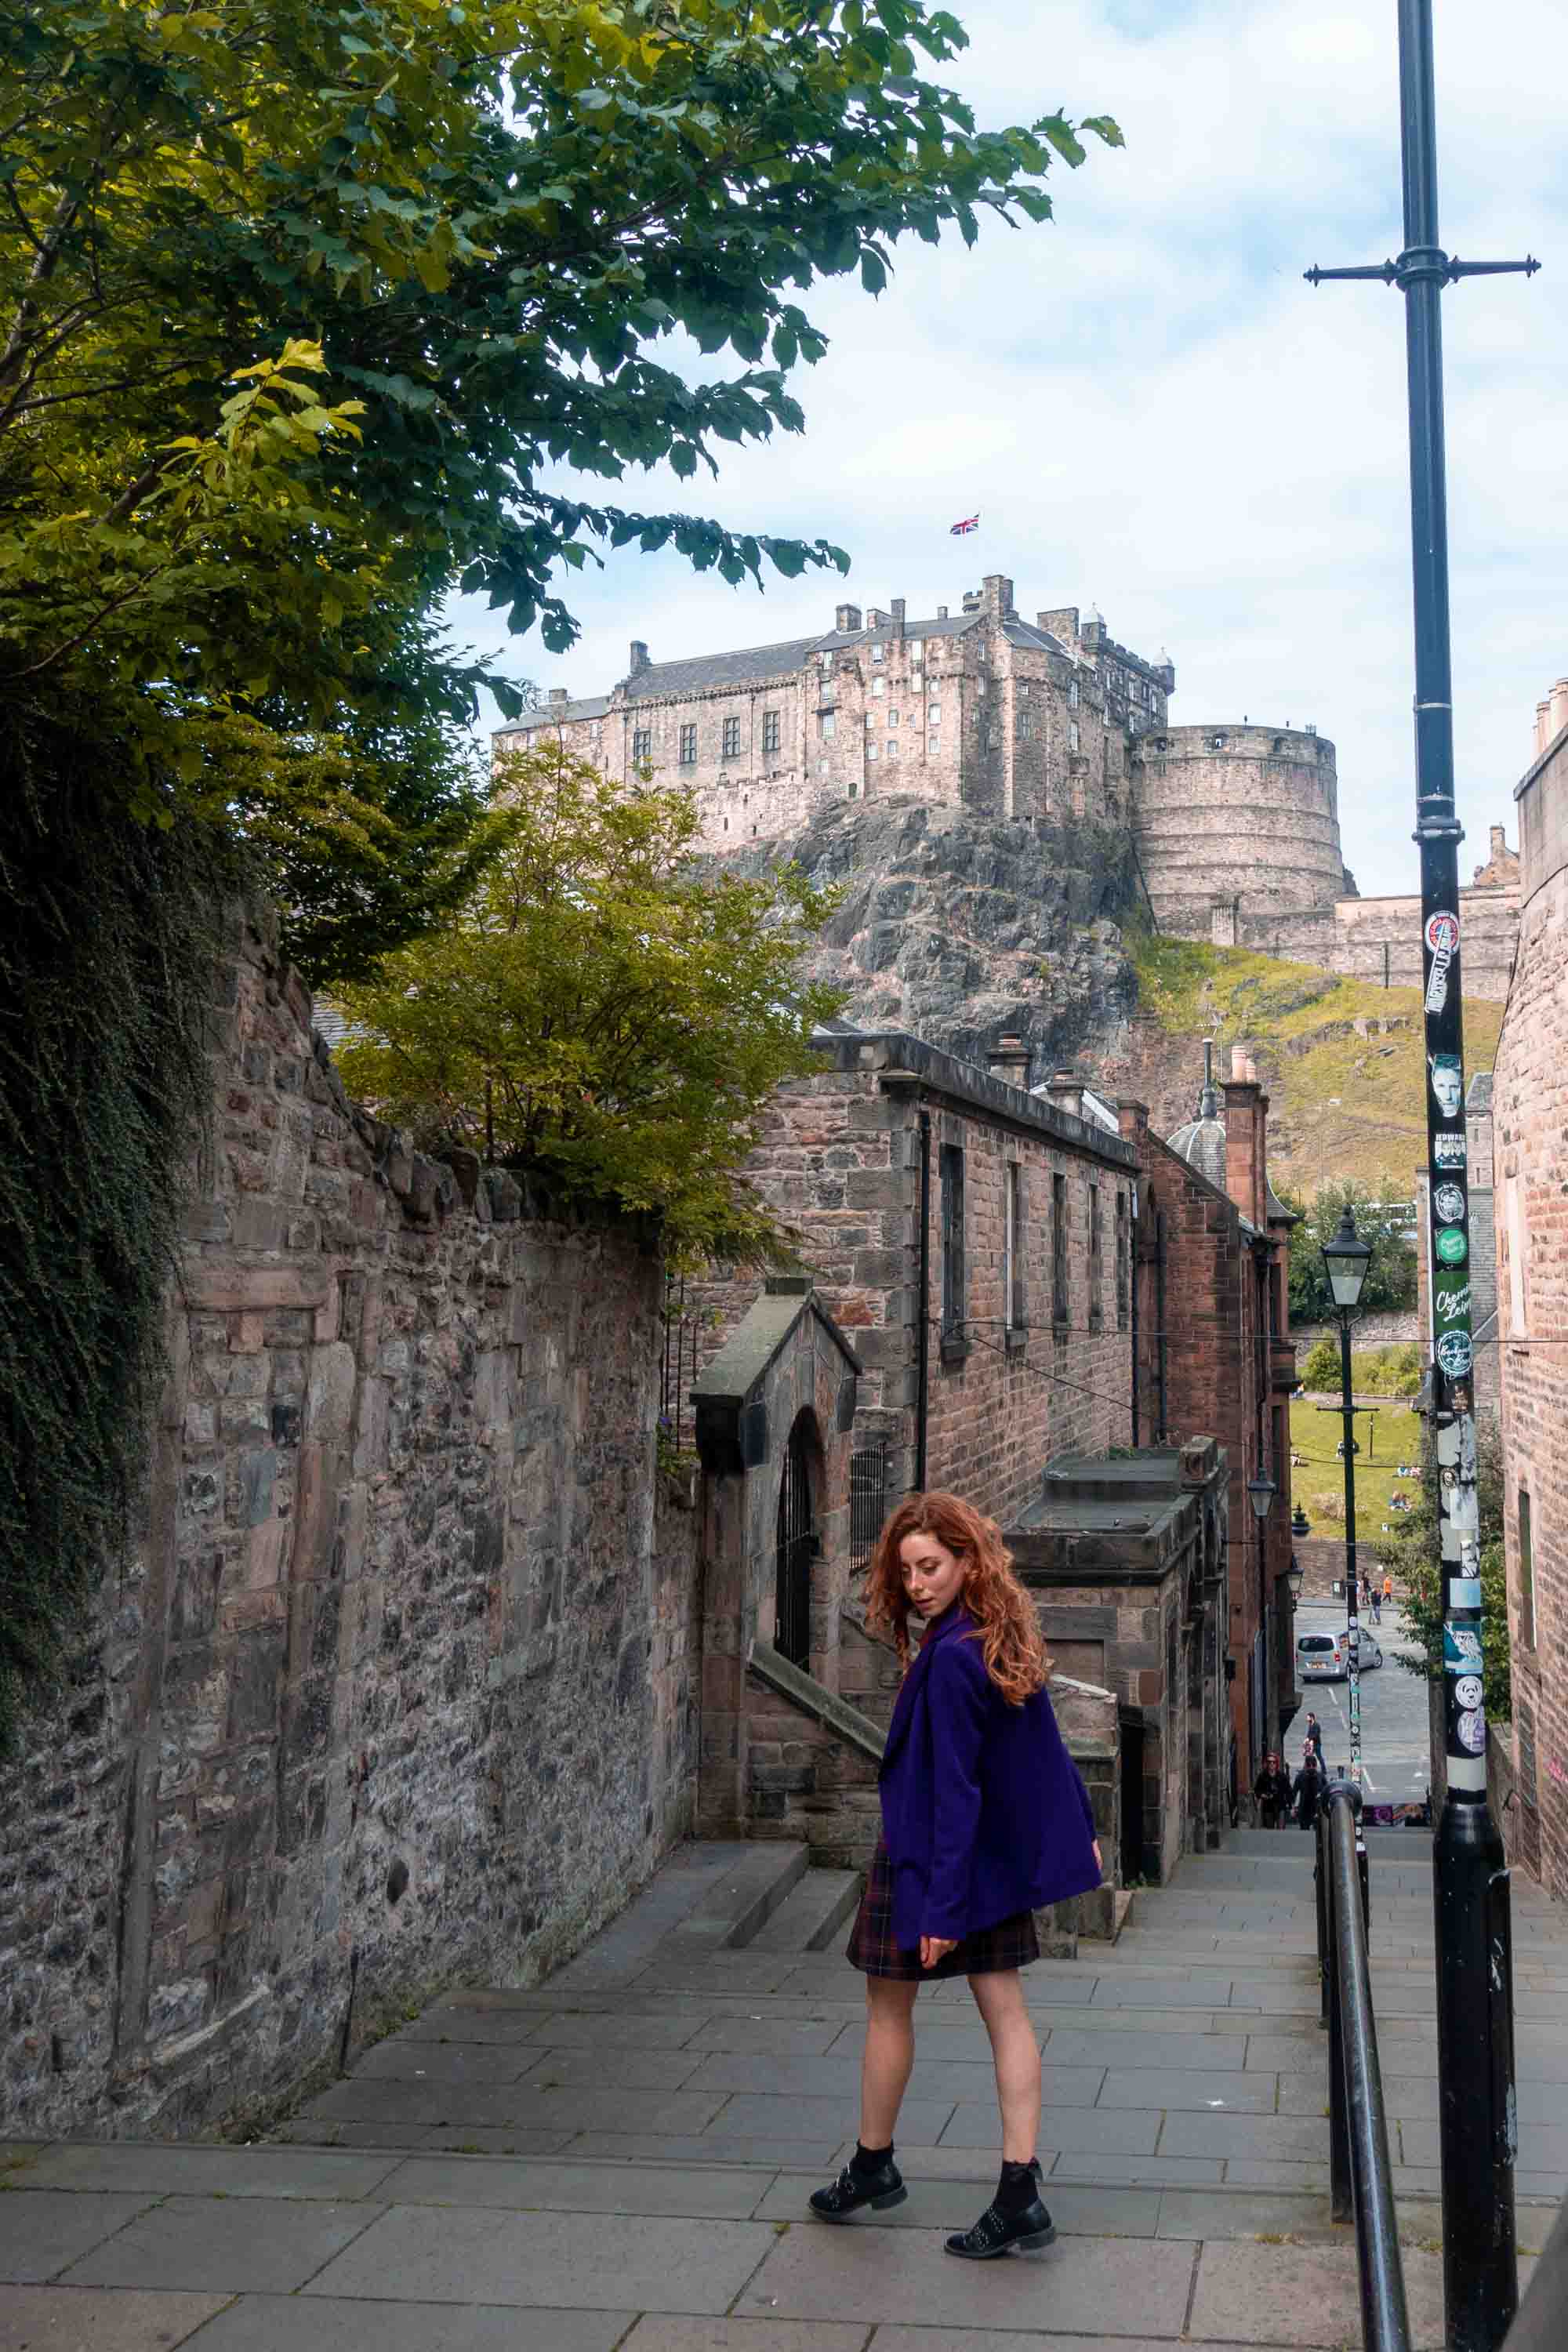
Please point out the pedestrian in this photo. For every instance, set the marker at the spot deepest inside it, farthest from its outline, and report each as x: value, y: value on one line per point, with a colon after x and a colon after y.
x: 1308, y: 1790
x: 985, y: 1819
x: 1315, y: 1738
x: 1377, y: 1604
x: 1272, y: 1790
x: 1388, y: 1590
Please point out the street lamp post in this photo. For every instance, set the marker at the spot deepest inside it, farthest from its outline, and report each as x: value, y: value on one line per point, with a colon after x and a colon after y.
x: 1475, y: 2104
x: 1347, y: 1258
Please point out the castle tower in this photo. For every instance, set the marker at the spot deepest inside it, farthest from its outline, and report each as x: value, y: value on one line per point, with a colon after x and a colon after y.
x: 1229, y: 817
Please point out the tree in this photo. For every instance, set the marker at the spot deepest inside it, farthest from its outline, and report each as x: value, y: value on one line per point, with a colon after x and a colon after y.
x: 601, y: 1011
x: 1412, y: 1555
x: 477, y: 225
x: 1321, y: 1365
x: 1381, y: 1219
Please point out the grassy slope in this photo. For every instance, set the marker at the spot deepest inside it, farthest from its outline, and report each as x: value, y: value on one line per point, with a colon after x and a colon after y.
x: 1318, y: 1476
x: 1341, y: 1104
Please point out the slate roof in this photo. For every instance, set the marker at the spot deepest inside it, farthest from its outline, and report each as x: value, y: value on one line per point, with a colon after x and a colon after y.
x: 548, y: 714
x: 705, y: 671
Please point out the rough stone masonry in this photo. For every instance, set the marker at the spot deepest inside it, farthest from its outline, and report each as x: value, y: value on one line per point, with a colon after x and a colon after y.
x: 395, y: 1688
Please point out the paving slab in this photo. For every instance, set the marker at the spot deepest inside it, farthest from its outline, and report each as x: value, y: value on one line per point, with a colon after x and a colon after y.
x: 987, y: 2339
x: 636, y: 2030
x: 150, y: 2169
x: 93, y: 2320
x: 837, y: 2078
x: 422, y: 2253
x: 785, y: 2037
x: 765, y: 2154
x: 1228, y: 2212
x: 724, y: 2192
x: 43, y: 2229
x: 474, y: 2139
x: 317, y: 2131
x: 661, y: 2335
x: 295, y: 2323
x: 571, y: 2109
x: 1134, y: 2047
x: 1303, y: 2295
x: 751, y: 2116
x: 1227, y: 2092
x: 418, y: 2059
x: 246, y: 2244
x: 1078, y: 2210
x: 1136, y: 2171
x: 626, y: 2069
x: 1127, y: 2131
x: 1289, y: 2139
x: 1113, y: 2286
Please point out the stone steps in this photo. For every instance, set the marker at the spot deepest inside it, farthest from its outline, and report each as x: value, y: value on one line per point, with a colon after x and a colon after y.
x: 812, y: 1914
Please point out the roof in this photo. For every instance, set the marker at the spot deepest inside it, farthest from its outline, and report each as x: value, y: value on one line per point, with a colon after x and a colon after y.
x: 550, y: 714
x: 740, y: 1363
x: 1025, y: 634
x: 1201, y: 1141
x: 706, y: 671
x: 894, y: 1056
x: 955, y: 624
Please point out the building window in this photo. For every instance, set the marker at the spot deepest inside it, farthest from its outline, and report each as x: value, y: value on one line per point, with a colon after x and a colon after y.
x: 953, y: 1279
x: 1526, y: 1573
x: 825, y: 661
x: 934, y: 712
x: 1096, y: 1264
x: 1073, y: 736
x: 870, y: 750
x: 892, y: 718
x: 933, y: 742
x: 1059, y: 1313
x: 689, y: 747
x: 826, y: 725
x: 1072, y: 694
x: 822, y: 767
x: 770, y: 730
x: 1013, y: 1249
x: 732, y: 739
x: 1023, y: 686
x: 878, y: 652
x: 1026, y: 724
x: 892, y: 747
x: 917, y: 652
x: 642, y: 746
x: 854, y: 793
x: 878, y: 686
x: 1123, y: 1263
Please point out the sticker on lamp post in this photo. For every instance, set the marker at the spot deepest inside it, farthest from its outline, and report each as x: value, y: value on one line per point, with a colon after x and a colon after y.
x: 1468, y: 1691
x: 1461, y: 1650
x: 1451, y: 1246
x: 1455, y: 1354
x: 1443, y: 938
x: 1448, y: 1150
x: 1449, y: 1202
x: 1472, y: 1730
x: 1448, y: 1084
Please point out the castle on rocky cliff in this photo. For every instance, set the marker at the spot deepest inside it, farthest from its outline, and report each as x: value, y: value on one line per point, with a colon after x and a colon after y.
x: 1236, y: 828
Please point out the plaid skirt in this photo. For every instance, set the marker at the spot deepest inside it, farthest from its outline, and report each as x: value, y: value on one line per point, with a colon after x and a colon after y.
x: 1010, y: 1944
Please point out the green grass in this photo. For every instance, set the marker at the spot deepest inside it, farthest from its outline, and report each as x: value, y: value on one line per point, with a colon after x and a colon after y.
x: 1339, y: 1104
x: 1318, y: 1476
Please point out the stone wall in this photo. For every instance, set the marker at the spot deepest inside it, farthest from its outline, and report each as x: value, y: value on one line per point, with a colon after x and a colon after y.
x: 396, y: 1687
x: 1379, y: 939
x: 1228, y: 812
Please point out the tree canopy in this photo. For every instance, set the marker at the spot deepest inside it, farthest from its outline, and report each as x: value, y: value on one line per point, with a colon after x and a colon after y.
x: 304, y: 303
x: 602, y: 1010
x: 1382, y: 1218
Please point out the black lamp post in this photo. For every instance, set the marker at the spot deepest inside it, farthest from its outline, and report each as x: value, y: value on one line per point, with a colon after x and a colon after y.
x: 1347, y: 1258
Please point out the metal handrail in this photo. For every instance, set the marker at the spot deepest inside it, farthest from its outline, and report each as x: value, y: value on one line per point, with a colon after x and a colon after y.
x: 1361, y: 2179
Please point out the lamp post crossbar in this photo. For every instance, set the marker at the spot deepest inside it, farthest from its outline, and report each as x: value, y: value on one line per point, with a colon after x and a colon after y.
x: 1477, y: 2122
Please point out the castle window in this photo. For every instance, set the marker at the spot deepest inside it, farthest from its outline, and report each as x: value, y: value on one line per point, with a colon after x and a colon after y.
x: 826, y: 660
x: 770, y: 730
x: 954, y: 1300
x: 1058, y: 1249
x: 732, y: 739
x: 933, y: 742
x: 1025, y: 722
x: 1074, y: 736
x: 870, y: 750
x: 1073, y: 694
x: 892, y: 747
x: 642, y: 745
x: 596, y: 731
x: 1526, y: 1574
x: 1217, y: 742
x: 826, y: 725
x: 689, y: 747
x: 1023, y: 686
x: 1096, y: 1267
x: 854, y: 789
x: 878, y: 652
x: 917, y: 652
x: 878, y: 686
x: 822, y: 766
x: 892, y: 718
x: 1123, y: 1261
x: 1013, y: 1248
x: 934, y: 712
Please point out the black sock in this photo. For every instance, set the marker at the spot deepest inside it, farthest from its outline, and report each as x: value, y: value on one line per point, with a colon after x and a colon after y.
x: 870, y: 2159
x: 1017, y: 2189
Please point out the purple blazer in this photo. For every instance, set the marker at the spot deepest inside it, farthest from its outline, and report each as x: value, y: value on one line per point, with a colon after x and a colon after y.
x: 984, y: 1811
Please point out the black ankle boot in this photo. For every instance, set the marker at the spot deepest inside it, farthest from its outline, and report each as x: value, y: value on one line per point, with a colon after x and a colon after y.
x: 855, y: 2187
x: 997, y: 2232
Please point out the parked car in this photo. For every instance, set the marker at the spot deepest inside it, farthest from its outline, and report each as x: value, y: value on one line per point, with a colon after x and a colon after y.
x: 1326, y: 1657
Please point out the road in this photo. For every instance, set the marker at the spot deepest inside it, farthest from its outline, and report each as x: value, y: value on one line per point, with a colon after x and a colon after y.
x: 1395, y: 1752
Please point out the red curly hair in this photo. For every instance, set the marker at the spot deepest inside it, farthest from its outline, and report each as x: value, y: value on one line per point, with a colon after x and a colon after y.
x: 1015, y: 1657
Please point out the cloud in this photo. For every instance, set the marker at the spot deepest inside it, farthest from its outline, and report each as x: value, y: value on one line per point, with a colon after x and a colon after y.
x: 1152, y: 412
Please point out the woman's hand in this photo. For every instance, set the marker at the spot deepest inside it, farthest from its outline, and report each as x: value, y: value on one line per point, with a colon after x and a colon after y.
x: 1098, y: 1864
x: 934, y: 1948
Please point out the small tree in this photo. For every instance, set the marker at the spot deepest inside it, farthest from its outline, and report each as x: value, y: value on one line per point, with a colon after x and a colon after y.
x: 600, y: 1010
x: 1381, y: 1220
x: 1321, y: 1365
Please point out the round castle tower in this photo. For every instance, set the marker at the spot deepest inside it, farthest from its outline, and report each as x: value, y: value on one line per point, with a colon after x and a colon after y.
x: 1228, y: 813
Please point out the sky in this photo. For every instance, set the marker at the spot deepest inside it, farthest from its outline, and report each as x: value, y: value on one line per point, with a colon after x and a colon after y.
x: 1153, y: 413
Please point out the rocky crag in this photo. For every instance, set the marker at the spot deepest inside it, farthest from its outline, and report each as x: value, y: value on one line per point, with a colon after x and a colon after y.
x: 959, y: 927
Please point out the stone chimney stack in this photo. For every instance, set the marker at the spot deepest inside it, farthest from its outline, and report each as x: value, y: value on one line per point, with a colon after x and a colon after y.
x: 897, y: 616
x: 1010, y: 1060
x: 1543, y: 725
x: 1246, y: 1138
x: 875, y: 618
x: 1559, y: 718
x: 846, y: 618
x: 1132, y: 1118
x: 639, y: 655
x: 942, y: 612
x: 996, y: 596
x: 1065, y: 1091
x: 559, y: 694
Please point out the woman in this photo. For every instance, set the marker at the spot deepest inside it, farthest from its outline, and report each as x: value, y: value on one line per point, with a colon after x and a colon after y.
x: 1308, y: 1790
x: 1272, y: 1790
x: 985, y: 1819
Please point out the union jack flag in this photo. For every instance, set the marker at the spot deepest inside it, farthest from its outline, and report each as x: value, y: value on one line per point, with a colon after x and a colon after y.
x: 957, y: 530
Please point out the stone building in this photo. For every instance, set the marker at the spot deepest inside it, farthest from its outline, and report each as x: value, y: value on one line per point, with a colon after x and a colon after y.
x: 1229, y: 817
x: 1023, y: 719
x: 1530, y: 1124
x: 1215, y: 1355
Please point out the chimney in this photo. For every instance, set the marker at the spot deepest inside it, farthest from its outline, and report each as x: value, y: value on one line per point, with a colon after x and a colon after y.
x: 1559, y: 709
x: 1132, y: 1120
x: 639, y: 655
x: 559, y: 694
x: 1061, y: 621
x: 973, y: 600
x: 942, y: 615
x: 1065, y: 1090
x: 1010, y: 1060
x: 996, y: 595
x: 1245, y: 1122
x: 846, y: 618
x: 897, y: 616
x: 1543, y: 726
x: 875, y: 618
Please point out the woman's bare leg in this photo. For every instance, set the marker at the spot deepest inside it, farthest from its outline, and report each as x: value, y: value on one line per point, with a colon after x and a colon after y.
x: 890, y: 2055
x: 1016, y: 2048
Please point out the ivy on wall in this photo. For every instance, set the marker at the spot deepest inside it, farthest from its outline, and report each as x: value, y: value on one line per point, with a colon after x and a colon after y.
x: 108, y: 939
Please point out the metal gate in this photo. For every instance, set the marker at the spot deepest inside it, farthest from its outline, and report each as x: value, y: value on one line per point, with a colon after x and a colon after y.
x: 797, y: 1543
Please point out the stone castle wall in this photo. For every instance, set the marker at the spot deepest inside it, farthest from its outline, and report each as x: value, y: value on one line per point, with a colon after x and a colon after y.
x: 396, y: 1688
x: 1223, y: 811
x: 1379, y: 939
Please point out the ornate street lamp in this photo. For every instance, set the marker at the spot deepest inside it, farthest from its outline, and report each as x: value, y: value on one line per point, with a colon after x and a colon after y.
x: 1347, y: 1258
x: 1301, y: 1525
x: 1260, y: 1492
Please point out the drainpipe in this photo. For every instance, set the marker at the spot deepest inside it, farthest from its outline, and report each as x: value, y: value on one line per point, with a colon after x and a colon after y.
x: 922, y: 1381
x: 1162, y: 1344
x: 1132, y: 1273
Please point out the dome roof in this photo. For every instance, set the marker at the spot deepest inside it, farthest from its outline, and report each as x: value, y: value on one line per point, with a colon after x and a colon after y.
x: 1201, y: 1141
